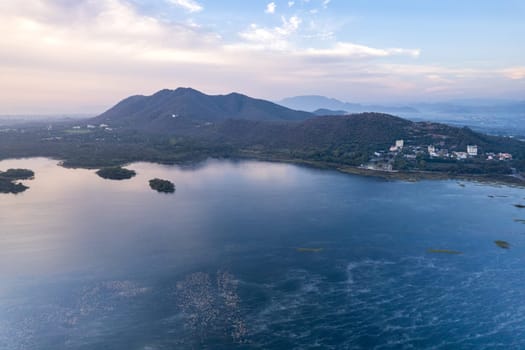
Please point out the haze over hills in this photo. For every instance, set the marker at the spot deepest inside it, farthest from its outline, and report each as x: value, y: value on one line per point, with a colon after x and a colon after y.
x: 313, y: 103
x: 163, y: 108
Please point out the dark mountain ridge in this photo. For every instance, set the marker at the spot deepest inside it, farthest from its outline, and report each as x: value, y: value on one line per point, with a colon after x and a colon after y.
x: 246, y: 124
x: 160, y: 110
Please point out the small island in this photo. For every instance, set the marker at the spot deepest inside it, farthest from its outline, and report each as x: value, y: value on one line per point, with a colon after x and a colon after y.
x: 116, y: 173
x: 9, y: 177
x: 502, y: 244
x: 163, y: 186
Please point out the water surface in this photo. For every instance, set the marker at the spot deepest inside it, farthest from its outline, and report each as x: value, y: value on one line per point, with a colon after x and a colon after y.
x: 88, y: 263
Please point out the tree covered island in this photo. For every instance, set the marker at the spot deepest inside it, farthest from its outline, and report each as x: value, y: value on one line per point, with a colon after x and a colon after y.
x: 116, y: 173
x: 163, y: 186
x: 9, y: 180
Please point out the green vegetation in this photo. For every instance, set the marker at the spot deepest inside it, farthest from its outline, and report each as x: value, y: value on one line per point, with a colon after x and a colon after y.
x: 502, y: 244
x: 444, y: 251
x: 18, y: 174
x: 8, y: 186
x: 8, y: 179
x: 342, y: 143
x: 163, y: 186
x: 116, y: 173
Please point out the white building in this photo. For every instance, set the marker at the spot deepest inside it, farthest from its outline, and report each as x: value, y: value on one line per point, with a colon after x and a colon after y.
x: 472, y: 150
x: 432, y: 151
x: 400, y: 144
x: 461, y: 155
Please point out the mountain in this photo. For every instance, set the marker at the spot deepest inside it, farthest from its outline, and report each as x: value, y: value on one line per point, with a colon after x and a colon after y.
x: 325, y: 111
x: 243, y: 121
x: 316, y: 102
x: 163, y: 108
x: 356, y: 131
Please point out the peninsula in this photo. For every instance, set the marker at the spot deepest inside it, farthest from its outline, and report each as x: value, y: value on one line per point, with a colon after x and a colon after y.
x: 185, y: 125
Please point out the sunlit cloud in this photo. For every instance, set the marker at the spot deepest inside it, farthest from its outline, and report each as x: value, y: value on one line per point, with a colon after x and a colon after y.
x: 351, y: 50
x: 71, y: 55
x: 188, y: 5
x: 515, y: 73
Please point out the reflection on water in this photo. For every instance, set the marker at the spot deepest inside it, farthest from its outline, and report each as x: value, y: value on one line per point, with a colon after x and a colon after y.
x: 257, y: 255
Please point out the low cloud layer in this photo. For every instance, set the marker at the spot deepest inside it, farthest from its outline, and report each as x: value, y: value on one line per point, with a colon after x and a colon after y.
x: 83, y: 56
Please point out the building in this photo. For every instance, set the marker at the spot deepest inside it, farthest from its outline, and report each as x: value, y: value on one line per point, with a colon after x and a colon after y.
x: 400, y: 144
x: 472, y: 150
x: 461, y: 155
x: 505, y: 156
x: 432, y: 151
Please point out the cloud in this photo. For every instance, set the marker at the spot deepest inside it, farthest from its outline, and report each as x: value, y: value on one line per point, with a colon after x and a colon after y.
x: 62, y: 55
x: 277, y: 38
x: 325, y: 3
x: 270, y: 8
x: 291, y: 3
x: 188, y: 5
x: 514, y: 73
x: 351, y: 50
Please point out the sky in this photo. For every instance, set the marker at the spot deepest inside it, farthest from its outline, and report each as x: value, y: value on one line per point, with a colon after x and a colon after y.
x: 83, y: 56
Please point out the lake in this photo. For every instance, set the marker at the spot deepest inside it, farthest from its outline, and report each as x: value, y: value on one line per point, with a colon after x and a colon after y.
x: 249, y: 255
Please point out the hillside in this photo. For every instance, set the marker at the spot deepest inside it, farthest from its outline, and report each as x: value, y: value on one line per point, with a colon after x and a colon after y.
x: 166, y: 108
x: 241, y: 121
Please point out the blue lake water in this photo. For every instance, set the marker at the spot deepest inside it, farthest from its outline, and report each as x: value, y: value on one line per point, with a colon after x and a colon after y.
x: 87, y: 263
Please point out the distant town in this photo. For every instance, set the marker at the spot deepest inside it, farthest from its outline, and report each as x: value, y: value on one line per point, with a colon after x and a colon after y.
x: 383, y: 160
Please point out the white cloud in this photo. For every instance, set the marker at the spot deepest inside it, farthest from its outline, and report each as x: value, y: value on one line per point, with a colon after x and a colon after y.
x: 277, y: 38
x: 351, y: 50
x: 325, y: 3
x: 291, y: 3
x: 188, y: 5
x: 270, y: 8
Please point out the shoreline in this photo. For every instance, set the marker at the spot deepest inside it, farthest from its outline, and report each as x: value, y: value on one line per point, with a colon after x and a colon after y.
x: 406, y: 176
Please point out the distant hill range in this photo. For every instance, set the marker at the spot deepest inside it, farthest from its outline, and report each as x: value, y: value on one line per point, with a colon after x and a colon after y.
x: 322, y: 105
x: 163, y: 108
x: 314, y: 103
x: 245, y: 122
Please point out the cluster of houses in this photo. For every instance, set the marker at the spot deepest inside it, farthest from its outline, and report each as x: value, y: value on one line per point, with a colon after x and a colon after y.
x: 383, y: 160
x: 472, y: 151
x: 91, y: 126
x: 434, y: 152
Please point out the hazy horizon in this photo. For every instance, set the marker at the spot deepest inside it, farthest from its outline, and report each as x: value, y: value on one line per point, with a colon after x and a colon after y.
x: 63, y: 56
